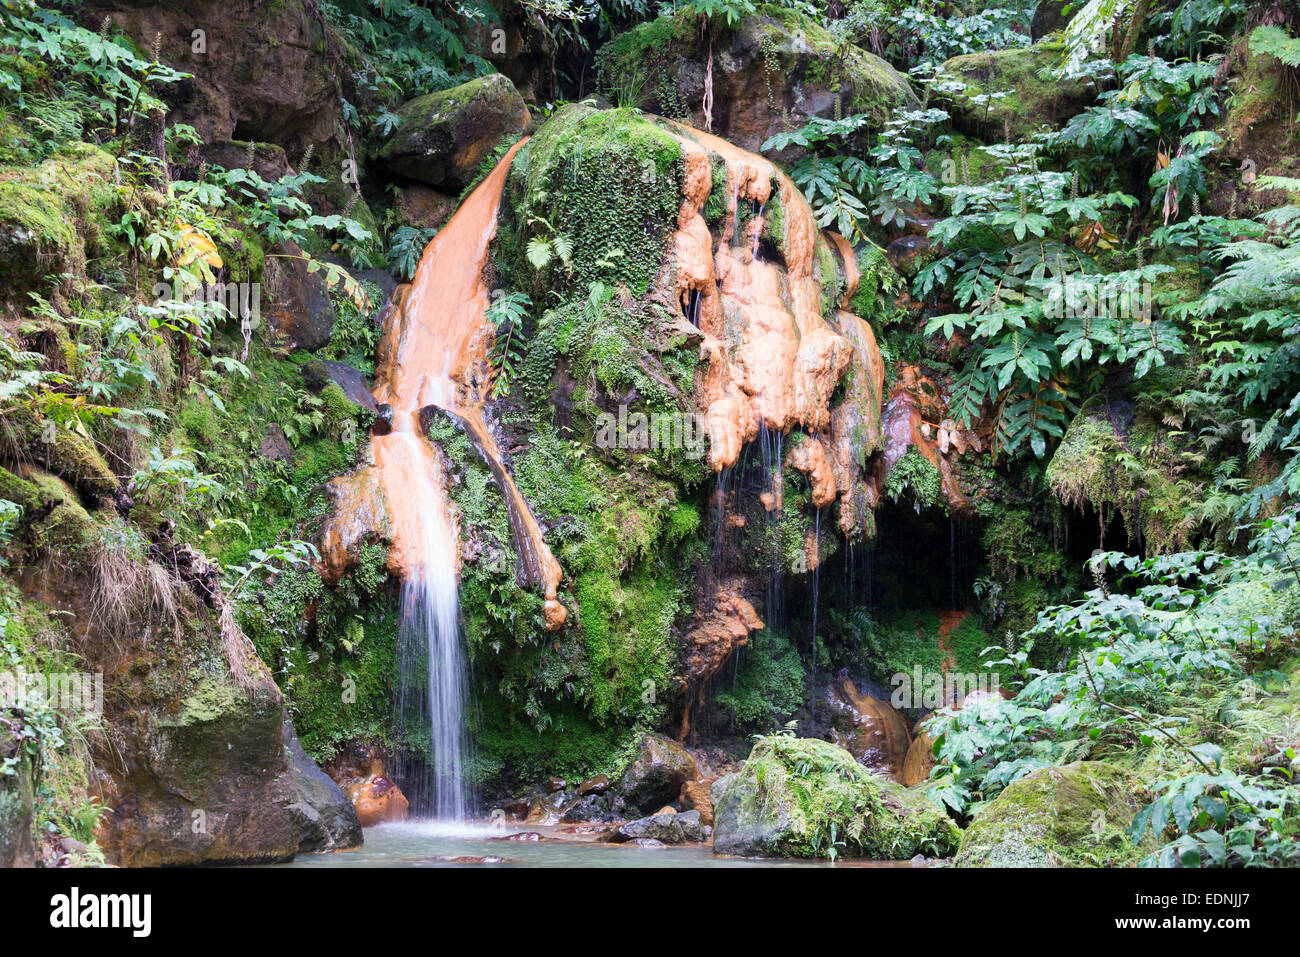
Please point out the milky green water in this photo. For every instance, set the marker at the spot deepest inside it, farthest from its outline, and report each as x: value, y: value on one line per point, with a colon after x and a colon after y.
x: 438, y: 844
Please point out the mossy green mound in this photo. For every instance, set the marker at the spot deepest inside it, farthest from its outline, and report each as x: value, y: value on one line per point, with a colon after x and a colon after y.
x: 1076, y: 815
x: 800, y: 797
x: 1006, y: 95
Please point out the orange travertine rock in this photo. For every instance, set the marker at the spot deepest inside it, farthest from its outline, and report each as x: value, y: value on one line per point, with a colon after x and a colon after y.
x: 723, y: 625
x: 916, y: 415
x: 810, y: 458
x: 358, y: 513
x: 772, y: 359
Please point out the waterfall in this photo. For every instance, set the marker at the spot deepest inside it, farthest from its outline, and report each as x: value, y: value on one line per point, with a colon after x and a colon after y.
x: 433, y: 353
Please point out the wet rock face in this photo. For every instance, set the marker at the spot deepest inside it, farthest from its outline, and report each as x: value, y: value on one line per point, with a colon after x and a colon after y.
x: 359, y: 770
x: 324, y: 815
x: 771, y: 63
x: 656, y: 775
x: 378, y: 801
x: 871, y: 730
x: 697, y: 796
x: 723, y: 623
x: 443, y: 137
x: 243, y: 88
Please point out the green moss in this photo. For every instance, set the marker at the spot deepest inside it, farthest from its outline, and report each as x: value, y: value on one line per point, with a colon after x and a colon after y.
x: 52, y: 216
x: 796, y: 51
x: 798, y: 797
x: 1076, y: 815
x: 1005, y: 93
x: 875, y: 299
x: 609, y: 183
x: 1138, y: 476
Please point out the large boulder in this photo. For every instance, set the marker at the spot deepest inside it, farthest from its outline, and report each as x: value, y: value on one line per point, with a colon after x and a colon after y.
x: 1058, y: 816
x: 1004, y: 94
x: 771, y: 73
x: 684, y: 828
x: 242, y: 86
x: 296, y: 304
x: 325, y: 817
x: 656, y: 775
x: 193, y: 763
x: 800, y: 797
x: 443, y: 137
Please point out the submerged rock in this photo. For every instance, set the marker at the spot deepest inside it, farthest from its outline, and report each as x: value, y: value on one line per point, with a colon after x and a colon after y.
x: 1059, y: 816
x: 444, y: 137
x: 792, y: 793
x: 656, y: 774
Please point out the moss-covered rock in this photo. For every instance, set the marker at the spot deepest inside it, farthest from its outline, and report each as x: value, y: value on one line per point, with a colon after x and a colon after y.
x: 1260, y: 136
x: 443, y: 137
x: 1117, y: 460
x: 1059, y: 816
x: 776, y: 68
x: 52, y: 217
x: 607, y: 180
x: 800, y: 797
x: 1005, y: 95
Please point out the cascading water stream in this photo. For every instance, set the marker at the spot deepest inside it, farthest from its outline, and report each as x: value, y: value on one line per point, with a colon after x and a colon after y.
x: 434, y: 354
x: 429, y: 631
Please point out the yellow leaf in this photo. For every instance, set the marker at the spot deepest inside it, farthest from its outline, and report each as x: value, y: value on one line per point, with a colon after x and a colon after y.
x: 198, y: 245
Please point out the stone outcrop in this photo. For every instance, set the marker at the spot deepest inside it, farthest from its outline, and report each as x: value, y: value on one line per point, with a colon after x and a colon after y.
x: 770, y: 73
x: 443, y: 137
x: 296, y: 305
x: 243, y: 87
x: 656, y: 774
